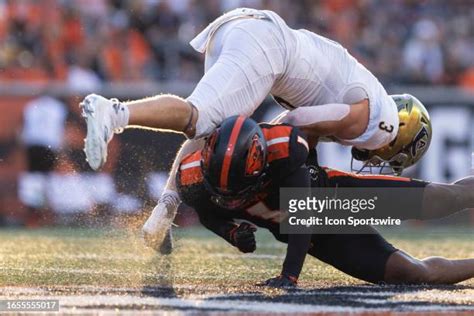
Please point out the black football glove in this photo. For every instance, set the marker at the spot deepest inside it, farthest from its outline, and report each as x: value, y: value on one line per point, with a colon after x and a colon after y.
x: 243, y: 237
x: 281, y: 281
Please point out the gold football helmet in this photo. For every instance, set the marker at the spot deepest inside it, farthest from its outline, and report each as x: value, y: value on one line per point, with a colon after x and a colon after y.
x: 410, y: 144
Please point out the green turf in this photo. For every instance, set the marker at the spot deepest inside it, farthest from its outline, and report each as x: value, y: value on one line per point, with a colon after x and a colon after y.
x: 118, y: 258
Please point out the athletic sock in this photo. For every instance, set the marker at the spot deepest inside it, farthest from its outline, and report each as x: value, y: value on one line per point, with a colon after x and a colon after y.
x: 120, y: 116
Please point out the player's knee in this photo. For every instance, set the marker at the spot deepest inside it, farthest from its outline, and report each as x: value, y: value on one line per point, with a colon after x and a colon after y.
x: 404, y: 269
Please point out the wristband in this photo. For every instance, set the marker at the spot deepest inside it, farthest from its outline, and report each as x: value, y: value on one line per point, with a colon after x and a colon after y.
x: 189, y: 129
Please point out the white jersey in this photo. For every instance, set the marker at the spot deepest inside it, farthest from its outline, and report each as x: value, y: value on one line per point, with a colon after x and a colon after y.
x: 252, y: 53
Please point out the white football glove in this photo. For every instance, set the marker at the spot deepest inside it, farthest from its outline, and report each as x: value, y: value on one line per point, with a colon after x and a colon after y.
x: 157, y: 229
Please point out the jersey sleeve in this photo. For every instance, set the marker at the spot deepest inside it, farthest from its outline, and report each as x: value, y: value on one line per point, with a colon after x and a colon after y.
x: 190, y: 180
x: 288, y: 152
x: 287, y: 149
x: 298, y: 244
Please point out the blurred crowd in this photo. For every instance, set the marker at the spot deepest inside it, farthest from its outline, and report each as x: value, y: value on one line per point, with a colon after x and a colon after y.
x: 88, y: 42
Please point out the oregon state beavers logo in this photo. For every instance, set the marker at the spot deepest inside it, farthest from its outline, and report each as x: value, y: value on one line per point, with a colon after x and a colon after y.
x: 255, y: 157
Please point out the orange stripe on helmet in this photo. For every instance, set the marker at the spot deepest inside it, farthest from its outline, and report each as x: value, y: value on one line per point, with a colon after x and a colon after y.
x: 229, y: 151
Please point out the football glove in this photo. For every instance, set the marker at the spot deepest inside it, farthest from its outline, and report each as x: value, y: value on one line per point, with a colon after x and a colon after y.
x: 156, y: 231
x: 243, y: 237
x: 281, y: 281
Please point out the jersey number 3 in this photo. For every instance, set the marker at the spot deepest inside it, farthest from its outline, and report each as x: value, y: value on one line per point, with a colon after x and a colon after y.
x: 385, y: 127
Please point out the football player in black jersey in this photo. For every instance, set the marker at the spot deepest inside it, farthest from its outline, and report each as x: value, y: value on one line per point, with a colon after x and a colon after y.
x: 238, y: 174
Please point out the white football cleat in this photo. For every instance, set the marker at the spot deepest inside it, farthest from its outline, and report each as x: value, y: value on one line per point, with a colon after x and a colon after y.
x: 98, y: 112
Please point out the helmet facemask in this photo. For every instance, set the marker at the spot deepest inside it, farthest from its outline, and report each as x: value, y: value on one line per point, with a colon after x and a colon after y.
x: 377, y: 164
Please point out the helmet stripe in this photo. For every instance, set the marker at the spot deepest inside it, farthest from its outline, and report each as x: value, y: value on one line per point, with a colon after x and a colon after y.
x: 229, y: 151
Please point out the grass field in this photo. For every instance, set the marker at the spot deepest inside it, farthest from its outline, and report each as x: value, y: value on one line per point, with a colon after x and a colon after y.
x: 101, y: 271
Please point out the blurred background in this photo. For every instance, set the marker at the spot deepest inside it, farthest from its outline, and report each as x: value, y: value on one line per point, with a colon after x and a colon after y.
x: 53, y: 53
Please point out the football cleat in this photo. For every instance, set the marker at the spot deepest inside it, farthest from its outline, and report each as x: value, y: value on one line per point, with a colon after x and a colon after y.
x: 98, y: 112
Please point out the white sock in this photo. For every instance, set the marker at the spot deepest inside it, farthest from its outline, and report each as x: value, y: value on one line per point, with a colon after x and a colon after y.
x: 120, y: 116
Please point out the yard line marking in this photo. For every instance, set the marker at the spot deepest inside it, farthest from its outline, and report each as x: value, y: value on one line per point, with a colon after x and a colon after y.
x: 114, y: 301
x: 375, y: 296
x: 225, y: 305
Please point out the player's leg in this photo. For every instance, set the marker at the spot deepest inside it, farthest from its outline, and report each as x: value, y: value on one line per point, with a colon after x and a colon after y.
x: 243, y: 59
x: 401, y: 268
x: 236, y: 84
x: 227, y: 88
x: 444, y: 199
x: 363, y: 256
x: 371, y: 258
x: 435, y: 200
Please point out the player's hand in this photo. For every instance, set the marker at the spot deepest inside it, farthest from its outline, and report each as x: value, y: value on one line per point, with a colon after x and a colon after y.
x: 281, y: 281
x: 243, y: 237
x: 156, y: 229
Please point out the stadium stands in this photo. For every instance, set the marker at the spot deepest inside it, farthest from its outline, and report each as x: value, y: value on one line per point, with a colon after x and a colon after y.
x: 85, y: 45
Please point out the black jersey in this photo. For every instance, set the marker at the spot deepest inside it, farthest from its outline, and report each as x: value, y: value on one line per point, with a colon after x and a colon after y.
x: 291, y: 165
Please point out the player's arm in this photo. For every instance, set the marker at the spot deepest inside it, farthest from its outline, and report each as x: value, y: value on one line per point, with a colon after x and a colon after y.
x: 157, y: 225
x: 298, y: 244
x: 344, y: 121
x: 192, y: 191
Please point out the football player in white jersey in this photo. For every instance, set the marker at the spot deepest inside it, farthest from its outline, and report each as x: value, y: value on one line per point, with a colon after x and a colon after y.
x: 250, y: 54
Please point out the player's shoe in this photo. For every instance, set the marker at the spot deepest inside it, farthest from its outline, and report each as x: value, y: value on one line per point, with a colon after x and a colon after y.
x: 98, y: 112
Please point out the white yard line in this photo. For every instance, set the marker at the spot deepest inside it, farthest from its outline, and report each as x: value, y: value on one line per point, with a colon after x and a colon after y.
x: 375, y: 292
x: 127, y: 298
x: 109, y: 302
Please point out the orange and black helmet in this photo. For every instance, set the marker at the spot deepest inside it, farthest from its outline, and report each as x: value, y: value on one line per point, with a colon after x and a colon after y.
x: 234, y: 161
